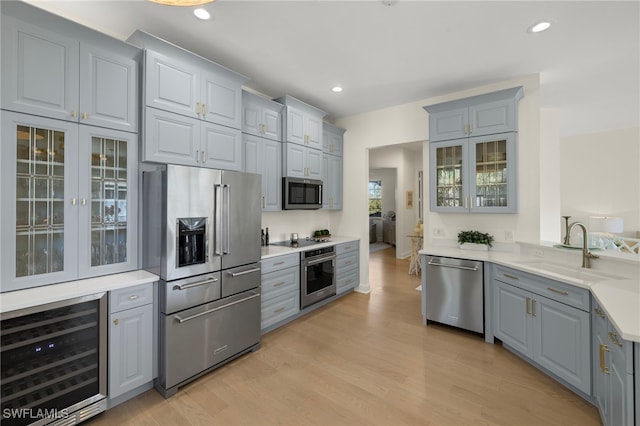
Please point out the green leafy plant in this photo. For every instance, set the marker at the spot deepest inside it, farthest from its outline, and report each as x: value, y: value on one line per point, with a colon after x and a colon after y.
x: 476, y: 237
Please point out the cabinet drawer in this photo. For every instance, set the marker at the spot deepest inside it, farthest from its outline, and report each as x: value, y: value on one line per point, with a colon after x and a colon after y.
x: 346, y: 262
x: 280, y: 282
x: 347, y: 281
x: 347, y: 247
x: 280, y: 262
x: 555, y: 290
x: 130, y: 297
x: 280, y: 308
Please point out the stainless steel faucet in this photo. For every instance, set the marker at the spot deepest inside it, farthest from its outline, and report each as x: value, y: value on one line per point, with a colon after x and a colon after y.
x: 586, y: 254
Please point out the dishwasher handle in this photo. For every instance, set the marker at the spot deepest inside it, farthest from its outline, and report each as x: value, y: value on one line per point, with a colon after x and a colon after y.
x: 444, y: 265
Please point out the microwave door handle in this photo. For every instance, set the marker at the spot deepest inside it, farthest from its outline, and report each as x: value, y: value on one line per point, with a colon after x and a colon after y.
x: 217, y: 239
x: 227, y: 203
x: 320, y: 189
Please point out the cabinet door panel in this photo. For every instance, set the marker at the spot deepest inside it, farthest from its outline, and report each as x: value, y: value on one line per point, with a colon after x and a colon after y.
x: 511, y: 320
x: 40, y: 71
x: 562, y: 342
x: 250, y: 116
x: 272, y: 120
x: 250, y: 154
x: 448, y: 125
x: 109, y: 89
x: 108, y: 218
x: 222, y: 147
x: 313, y: 161
x: 171, y: 85
x: 39, y: 201
x: 620, y: 402
x: 295, y: 160
x: 222, y: 99
x: 313, y: 130
x: 130, y: 349
x: 448, y: 174
x: 171, y: 138
x: 295, y: 126
x: 492, y: 117
x: 272, y: 176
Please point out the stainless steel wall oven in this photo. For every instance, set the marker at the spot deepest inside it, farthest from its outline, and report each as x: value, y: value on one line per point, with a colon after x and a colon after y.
x: 318, y: 275
x: 54, y: 362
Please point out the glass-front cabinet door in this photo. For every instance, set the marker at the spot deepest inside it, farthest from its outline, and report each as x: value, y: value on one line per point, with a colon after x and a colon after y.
x: 39, y: 213
x: 68, y: 205
x: 474, y: 175
x: 108, y: 211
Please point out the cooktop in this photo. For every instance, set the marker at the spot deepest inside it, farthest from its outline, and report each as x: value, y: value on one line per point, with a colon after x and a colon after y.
x: 300, y: 243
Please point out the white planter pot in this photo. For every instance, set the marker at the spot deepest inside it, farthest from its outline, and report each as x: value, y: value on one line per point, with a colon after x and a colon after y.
x: 474, y: 247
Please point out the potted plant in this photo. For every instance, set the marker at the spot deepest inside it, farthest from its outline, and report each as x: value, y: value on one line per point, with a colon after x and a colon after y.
x: 474, y: 240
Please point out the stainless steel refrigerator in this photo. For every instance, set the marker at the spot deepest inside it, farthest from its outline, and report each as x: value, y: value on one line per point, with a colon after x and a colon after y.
x: 201, y: 234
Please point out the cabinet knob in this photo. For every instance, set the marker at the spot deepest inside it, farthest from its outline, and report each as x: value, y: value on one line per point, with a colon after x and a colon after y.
x: 84, y: 115
x: 116, y: 321
x: 74, y: 114
x: 74, y: 201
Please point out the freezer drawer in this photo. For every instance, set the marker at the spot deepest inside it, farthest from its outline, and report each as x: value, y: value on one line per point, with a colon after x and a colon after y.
x: 455, y: 292
x: 199, y: 338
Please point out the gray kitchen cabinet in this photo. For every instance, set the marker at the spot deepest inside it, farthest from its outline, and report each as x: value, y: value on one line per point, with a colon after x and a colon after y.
x: 486, y: 114
x: 69, y: 202
x: 193, y: 87
x: 264, y: 157
x: 130, y: 338
x: 475, y: 175
x: 347, y: 266
x: 176, y: 139
x: 51, y: 73
x: 280, y: 290
x: 261, y: 117
x: 332, y: 139
x: 613, y: 370
x: 302, y: 122
x: 301, y: 161
x: 473, y: 153
x: 332, y: 182
x: 544, y: 322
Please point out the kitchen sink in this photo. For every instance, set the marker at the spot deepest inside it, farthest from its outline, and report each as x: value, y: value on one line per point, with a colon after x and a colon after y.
x: 583, y: 274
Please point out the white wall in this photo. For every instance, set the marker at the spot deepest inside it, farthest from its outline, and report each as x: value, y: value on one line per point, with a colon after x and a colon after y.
x: 600, y: 176
x: 304, y: 222
x: 409, y: 123
x: 550, y: 194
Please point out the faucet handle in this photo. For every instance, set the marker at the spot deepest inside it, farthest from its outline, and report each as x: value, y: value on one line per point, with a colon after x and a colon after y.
x: 591, y: 255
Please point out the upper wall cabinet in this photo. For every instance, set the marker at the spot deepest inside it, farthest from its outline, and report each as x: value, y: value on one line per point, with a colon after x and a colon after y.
x: 332, y: 139
x: 52, y: 74
x: 303, y: 123
x: 476, y: 116
x: 473, y: 154
x: 261, y: 117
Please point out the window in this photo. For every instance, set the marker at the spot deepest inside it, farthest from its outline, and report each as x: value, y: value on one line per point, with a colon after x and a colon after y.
x: 375, y: 198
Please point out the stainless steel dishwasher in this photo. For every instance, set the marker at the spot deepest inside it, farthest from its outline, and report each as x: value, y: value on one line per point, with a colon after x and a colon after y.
x: 455, y: 292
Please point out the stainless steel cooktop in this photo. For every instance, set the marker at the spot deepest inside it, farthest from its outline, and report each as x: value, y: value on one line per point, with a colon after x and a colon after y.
x: 300, y: 243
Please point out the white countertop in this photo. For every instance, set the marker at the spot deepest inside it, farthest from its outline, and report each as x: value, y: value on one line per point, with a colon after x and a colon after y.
x: 271, y: 250
x: 620, y: 298
x: 35, y: 296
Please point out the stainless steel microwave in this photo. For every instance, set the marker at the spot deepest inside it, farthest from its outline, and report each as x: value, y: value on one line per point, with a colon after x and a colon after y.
x: 301, y: 194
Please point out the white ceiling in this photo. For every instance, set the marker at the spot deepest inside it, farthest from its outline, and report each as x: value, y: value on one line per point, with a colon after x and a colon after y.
x: 589, y: 61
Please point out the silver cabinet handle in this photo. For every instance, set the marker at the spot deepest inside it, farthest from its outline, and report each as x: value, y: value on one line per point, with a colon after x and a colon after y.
x: 83, y: 201
x: 513, y: 277
x: 264, y: 203
x: 279, y: 263
x: 526, y: 301
x: 74, y: 201
x: 197, y: 155
x: 279, y: 284
x: 203, y: 154
x: 280, y: 309
x: 248, y: 271
x: 204, y: 109
x: 564, y: 293
x: 198, y: 109
x: 208, y: 311
x: 133, y: 297
x: 196, y: 284
x: 444, y: 265
x: 533, y: 307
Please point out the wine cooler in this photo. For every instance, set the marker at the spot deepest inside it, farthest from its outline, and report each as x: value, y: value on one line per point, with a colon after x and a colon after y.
x: 54, y: 362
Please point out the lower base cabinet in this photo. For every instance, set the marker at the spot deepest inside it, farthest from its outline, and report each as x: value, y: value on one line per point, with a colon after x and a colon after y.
x: 280, y: 289
x: 613, y: 372
x: 554, y: 335
x: 347, y: 266
x: 130, y: 339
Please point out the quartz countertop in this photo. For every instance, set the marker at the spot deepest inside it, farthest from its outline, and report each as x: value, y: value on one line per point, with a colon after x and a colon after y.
x: 620, y: 298
x: 36, y: 296
x: 271, y: 250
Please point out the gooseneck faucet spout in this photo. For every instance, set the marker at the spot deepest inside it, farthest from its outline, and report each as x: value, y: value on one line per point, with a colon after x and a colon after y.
x: 586, y: 254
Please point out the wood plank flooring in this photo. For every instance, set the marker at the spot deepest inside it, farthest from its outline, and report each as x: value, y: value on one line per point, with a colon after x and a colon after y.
x: 366, y: 360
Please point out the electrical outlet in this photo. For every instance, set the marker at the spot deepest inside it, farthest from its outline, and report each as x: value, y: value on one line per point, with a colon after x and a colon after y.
x: 538, y: 253
x: 508, y: 235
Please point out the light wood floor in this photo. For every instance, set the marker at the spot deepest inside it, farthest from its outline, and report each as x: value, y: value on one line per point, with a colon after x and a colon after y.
x: 366, y: 360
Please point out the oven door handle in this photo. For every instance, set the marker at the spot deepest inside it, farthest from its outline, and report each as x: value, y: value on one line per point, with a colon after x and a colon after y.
x: 208, y: 311
x: 196, y: 284
x: 316, y: 261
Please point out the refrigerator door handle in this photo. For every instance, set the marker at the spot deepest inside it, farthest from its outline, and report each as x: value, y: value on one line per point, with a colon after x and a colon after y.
x: 227, y: 202
x: 217, y: 239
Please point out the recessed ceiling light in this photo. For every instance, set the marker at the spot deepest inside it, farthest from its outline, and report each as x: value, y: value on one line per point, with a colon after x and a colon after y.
x: 336, y: 89
x: 540, y: 26
x: 201, y: 14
